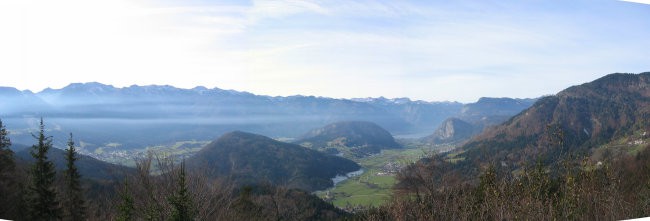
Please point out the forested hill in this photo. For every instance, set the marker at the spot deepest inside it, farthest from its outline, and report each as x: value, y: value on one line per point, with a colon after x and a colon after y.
x: 614, y: 108
x: 350, y: 134
x: 250, y: 158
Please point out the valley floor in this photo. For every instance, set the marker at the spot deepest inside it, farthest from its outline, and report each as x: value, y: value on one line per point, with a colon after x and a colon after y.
x: 374, y: 186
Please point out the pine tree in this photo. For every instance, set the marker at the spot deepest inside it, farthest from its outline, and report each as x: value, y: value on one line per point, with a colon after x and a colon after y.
x: 7, y: 171
x: 181, y: 201
x: 126, y: 207
x: 74, y: 202
x: 43, y: 204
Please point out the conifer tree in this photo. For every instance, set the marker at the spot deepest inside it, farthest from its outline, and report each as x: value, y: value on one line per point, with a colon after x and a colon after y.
x: 43, y: 204
x: 74, y: 201
x: 7, y: 171
x: 181, y: 201
x: 126, y: 206
x: 7, y: 163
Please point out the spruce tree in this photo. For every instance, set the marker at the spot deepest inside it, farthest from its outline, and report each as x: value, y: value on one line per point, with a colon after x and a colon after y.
x: 181, y: 201
x: 7, y: 174
x: 7, y: 164
x: 126, y: 208
x: 43, y: 204
x: 74, y: 204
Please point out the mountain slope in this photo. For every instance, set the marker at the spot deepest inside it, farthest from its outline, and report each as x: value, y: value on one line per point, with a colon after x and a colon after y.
x: 89, y: 168
x: 579, y: 118
x: 493, y: 111
x: 15, y: 103
x: 473, y: 118
x: 249, y: 158
x: 364, y: 136
x: 451, y: 131
x: 487, y: 106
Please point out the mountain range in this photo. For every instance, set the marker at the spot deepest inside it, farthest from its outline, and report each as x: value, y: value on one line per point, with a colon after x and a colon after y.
x: 141, y: 116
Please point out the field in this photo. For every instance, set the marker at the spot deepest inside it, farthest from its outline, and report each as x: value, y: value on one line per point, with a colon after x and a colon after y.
x: 374, y: 186
x: 367, y: 190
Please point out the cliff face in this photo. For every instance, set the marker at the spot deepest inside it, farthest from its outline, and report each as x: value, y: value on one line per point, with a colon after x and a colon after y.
x: 453, y: 130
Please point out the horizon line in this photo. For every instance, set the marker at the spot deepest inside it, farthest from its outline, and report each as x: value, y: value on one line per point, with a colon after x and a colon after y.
x: 356, y: 99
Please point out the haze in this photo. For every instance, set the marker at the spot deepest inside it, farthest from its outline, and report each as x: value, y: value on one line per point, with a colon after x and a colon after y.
x: 438, y: 50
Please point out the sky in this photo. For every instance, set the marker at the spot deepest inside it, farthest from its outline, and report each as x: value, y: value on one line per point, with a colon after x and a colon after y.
x: 435, y: 50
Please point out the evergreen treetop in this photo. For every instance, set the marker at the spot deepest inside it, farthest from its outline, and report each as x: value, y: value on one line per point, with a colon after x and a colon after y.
x: 74, y: 200
x: 43, y: 204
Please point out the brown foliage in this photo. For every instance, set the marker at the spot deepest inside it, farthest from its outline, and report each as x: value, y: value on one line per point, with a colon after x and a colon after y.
x: 584, y: 190
x: 212, y: 199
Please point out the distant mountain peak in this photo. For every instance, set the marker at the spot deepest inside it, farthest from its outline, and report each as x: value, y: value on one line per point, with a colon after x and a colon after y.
x: 89, y: 88
x: 9, y: 91
x: 398, y: 101
x: 200, y: 88
x: 89, y: 85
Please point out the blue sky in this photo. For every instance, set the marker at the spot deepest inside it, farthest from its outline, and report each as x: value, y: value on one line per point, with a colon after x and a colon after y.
x: 429, y: 50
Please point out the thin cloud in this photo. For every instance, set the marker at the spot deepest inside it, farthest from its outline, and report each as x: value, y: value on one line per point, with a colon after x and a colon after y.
x: 638, y: 1
x: 280, y: 8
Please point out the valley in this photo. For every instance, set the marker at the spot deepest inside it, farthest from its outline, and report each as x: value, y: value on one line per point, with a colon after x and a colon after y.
x: 586, y: 143
x: 371, y: 188
x: 313, y: 110
x: 374, y: 186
